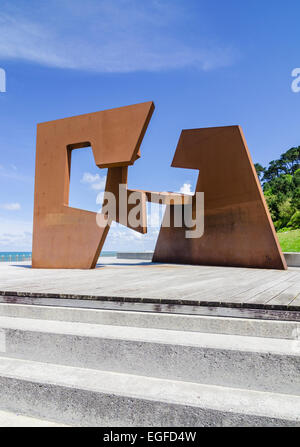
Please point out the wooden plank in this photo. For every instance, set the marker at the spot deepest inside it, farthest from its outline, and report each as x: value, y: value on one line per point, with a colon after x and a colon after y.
x: 163, y: 281
x: 271, y: 296
x: 261, y: 286
x: 287, y: 296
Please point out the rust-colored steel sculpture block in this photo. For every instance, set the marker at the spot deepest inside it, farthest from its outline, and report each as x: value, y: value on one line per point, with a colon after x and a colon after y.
x: 65, y: 237
x: 238, y: 230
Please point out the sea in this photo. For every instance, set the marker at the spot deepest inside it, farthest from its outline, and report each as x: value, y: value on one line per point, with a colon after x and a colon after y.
x: 18, y: 256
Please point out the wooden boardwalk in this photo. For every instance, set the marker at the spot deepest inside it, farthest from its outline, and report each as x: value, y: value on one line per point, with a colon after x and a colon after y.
x: 144, y: 281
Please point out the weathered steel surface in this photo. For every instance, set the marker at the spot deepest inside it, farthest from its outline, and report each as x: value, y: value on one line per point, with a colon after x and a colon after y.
x: 65, y: 237
x: 238, y: 227
x: 115, y: 178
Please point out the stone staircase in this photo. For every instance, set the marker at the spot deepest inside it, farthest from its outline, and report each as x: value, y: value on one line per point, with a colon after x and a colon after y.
x: 92, y: 367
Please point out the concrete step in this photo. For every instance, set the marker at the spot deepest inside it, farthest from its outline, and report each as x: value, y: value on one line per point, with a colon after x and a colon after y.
x: 87, y: 397
x: 227, y: 360
x: 9, y: 419
x: 178, y: 322
x: 292, y: 259
x: 145, y: 255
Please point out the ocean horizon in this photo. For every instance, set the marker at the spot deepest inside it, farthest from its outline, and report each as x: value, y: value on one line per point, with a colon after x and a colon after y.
x: 14, y: 256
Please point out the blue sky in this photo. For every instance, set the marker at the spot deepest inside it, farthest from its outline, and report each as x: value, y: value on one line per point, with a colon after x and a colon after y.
x: 203, y: 63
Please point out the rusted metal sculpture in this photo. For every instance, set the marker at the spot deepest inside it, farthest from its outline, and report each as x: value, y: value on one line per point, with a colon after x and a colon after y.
x: 238, y: 227
x: 65, y: 237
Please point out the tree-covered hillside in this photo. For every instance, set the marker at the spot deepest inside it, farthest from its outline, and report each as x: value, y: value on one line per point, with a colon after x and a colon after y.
x: 281, y: 185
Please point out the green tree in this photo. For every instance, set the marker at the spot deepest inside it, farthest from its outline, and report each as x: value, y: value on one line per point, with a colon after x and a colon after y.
x: 294, y: 222
x: 260, y: 170
x: 281, y: 186
x: 273, y: 171
x: 290, y: 160
x: 286, y: 212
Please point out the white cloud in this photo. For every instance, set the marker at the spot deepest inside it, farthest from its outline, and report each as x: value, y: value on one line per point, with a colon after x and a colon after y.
x: 12, y: 173
x: 155, y: 213
x: 94, y: 180
x: 96, y: 183
x: 15, y: 235
x: 186, y: 189
x: 99, y: 198
x: 11, y: 206
x: 104, y: 36
x: 121, y: 238
x: 89, y: 178
x: 16, y: 241
x: 99, y: 185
